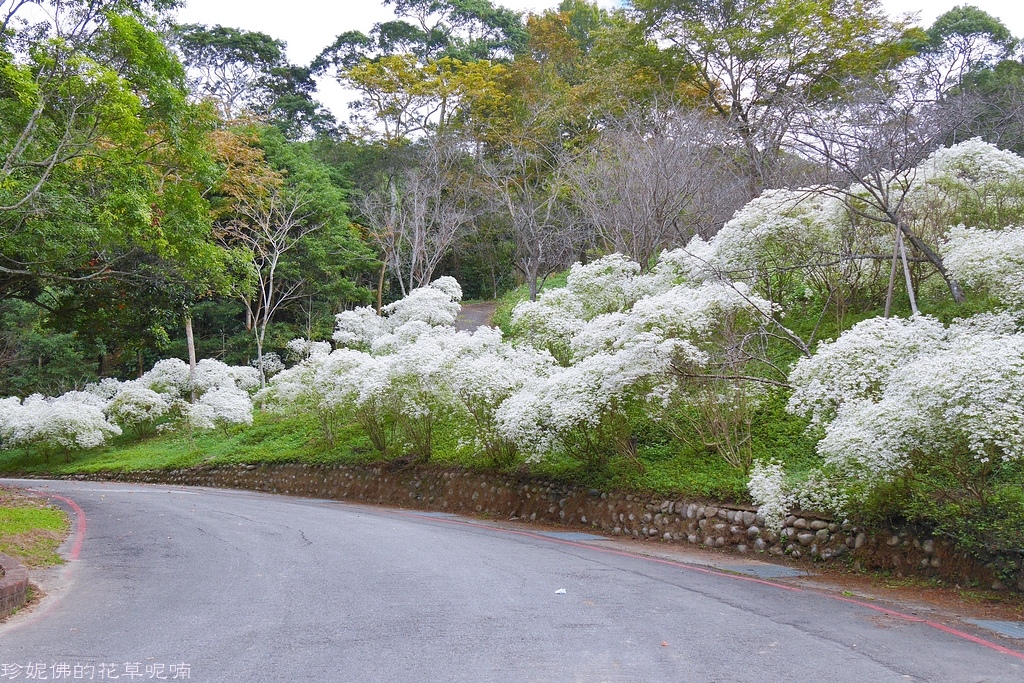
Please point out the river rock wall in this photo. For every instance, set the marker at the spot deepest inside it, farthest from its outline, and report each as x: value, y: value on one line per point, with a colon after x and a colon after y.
x: 804, y: 537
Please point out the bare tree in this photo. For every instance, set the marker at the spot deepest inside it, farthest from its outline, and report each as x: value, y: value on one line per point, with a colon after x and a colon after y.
x: 869, y: 148
x: 416, y: 214
x: 651, y: 181
x: 268, y: 228
x: 526, y: 185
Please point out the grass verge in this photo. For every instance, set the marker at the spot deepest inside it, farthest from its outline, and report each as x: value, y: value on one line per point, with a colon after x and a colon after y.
x: 31, y: 530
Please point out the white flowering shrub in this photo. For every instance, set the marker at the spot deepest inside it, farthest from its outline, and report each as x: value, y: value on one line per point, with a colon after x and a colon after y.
x: 550, y: 323
x: 338, y: 387
x: 858, y: 363
x: 358, y: 328
x: 693, y: 265
x: 65, y: 424
x: 780, y: 232
x: 963, y: 397
x: 770, y: 491
x: 610, y: 284
x: 940, y: 408
x: 272, y: 364
x: 169, y: 376
x: 582, y: 409
x: 483, y: 372
x: 221, y: 407
x: 436, y: 304
x: 214, y: 374
x: 10, y: 415
x: 973, y: 183
x: 301, y: 349
x: 137, y: 407
x: 991, y: 260
x: 606, y: 326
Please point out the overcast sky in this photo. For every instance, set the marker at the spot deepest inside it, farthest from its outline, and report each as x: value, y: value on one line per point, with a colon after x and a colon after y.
x: 308, y: 26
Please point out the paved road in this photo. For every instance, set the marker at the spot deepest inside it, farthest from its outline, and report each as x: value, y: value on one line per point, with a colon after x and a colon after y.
x: 249, y: 587
x: 472, y: 316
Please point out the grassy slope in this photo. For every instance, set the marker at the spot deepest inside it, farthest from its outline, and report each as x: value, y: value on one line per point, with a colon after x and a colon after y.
x: 663, y: 466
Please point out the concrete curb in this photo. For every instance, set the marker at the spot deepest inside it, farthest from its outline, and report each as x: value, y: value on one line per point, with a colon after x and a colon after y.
x: 13, y: 585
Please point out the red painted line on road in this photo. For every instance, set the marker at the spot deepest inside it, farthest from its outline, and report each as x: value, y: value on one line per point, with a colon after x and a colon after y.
x: 934, y: 624
x: 900, y: 615
x: 80, y: 522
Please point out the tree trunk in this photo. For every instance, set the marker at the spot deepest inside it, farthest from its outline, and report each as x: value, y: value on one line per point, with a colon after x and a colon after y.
x: 935, y: 260
x: 191, y: 342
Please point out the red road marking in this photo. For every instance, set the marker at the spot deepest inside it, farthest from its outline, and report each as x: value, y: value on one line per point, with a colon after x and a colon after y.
x: 80, y: 522
x: 608, y: 551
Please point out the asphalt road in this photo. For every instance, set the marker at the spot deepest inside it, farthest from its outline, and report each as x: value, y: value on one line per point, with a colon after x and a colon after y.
x: 214, y: 585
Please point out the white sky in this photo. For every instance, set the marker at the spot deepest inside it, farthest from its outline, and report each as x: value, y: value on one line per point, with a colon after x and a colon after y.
x: 308, y: 26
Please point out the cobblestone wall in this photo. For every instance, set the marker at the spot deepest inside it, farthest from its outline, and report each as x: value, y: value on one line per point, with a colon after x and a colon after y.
x: 739, y: 528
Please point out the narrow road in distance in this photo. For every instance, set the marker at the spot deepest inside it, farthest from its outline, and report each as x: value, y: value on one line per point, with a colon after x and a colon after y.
x: 218, y: 585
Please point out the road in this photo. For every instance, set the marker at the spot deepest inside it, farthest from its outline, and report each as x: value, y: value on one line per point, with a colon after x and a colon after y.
x: 218, y: 585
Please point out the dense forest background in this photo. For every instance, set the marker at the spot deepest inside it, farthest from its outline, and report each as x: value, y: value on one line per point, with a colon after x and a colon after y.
x: 162, y: 183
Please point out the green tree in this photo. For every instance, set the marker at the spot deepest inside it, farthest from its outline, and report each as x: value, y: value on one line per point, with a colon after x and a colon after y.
x: 102, y: 156
x: 247, y: 73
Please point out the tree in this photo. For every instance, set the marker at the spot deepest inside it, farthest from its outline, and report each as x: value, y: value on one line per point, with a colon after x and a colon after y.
x: 102, y: 156
x: 283, y: 209
x: 247, y: 73
x: 402, y: 98
x: 753, y: 61
x: 870, y: 148
x: 962, y: 41
x: 528, y: 188
x: 424, y: 70
x: 268, y: 229
x: 467, y: 30
x: 415, y: 215
x: 649, y: 182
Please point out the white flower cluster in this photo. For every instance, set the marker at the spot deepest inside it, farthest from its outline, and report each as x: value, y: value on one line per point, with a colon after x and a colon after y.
x: 436, y: 305
x: 768, y: 487
x: 617, y: 335
x: 972, y: 175
x: 85, y: 419
x: 779, y: 228
x: 621, y: 337
x: 988, y: 259
x: 887, y: 391
x: 74, y: 421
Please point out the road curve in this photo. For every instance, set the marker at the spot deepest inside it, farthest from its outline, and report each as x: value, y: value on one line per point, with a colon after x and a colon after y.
x: 217, y: 585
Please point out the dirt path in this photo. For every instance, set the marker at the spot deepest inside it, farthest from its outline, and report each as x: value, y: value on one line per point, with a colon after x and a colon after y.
x: 477, y: 315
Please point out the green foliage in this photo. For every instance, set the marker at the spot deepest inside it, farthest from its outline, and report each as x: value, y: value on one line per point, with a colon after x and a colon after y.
x: 34, y: 358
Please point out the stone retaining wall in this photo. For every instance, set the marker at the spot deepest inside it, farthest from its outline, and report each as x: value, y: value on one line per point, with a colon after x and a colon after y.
x: 804, y: 537
x: 13, y: 585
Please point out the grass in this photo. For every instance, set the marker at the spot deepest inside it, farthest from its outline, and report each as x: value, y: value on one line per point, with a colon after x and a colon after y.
x: 30, y: 529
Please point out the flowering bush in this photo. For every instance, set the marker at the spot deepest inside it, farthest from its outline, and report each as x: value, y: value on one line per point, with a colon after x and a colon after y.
x: 917, y: 401
x: 582, y: 408
x: 219, y: 406
x: 973, y: 182
x: 857, y: 365
x: 991, y: 260
x: 483, y: 373
x: 67, y: 423
x: 768, y: 487
x: 139, y: 408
